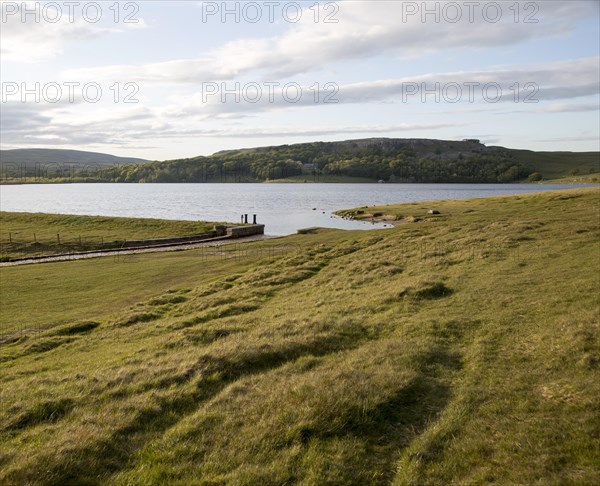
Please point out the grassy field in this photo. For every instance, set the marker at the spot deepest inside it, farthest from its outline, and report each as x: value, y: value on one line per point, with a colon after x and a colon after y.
x: 575, y: 179
x: 555, y: 165
x: 26, y: 234
x: 460, y: 349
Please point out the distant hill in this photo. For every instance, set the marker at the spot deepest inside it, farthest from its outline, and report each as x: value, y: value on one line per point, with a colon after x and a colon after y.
x: 30, y: 158
x: 554, y: 165
x: 372, y: 159
x: 550, y: 164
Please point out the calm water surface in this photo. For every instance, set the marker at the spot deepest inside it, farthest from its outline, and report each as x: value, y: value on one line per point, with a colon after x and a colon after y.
x: 283, y: 208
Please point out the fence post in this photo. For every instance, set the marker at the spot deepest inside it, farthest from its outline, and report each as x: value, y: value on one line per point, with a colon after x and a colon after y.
x: 34, y: 238
x: 58, y: 238
x: 10, y: 237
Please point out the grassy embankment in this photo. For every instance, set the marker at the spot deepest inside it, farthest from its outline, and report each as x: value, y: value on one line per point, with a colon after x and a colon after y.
x: 462, y: 349
x: 559, y: 165
x: 28, y: 234
x: 575, y: 179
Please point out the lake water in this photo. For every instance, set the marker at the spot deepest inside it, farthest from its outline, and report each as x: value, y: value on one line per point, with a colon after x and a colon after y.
x: 283, y: 208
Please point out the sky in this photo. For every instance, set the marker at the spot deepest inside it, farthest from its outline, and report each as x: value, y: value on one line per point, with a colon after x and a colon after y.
x: 164, y: 80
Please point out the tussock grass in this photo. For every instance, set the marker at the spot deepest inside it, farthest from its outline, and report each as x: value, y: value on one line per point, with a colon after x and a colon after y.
x: 77, y: 328
x: 456, y: 350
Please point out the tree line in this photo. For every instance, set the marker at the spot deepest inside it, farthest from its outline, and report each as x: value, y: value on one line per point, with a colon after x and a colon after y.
x: 389, y: 160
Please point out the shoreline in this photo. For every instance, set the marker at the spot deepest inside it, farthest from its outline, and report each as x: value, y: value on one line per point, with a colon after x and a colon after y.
x: 345, y: 181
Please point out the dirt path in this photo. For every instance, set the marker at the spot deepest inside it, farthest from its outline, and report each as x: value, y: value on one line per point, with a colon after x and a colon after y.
x: 133, y: 251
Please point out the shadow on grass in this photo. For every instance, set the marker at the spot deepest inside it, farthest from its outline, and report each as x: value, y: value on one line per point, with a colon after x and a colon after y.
x: 49, y: 411
x: 95, y: 463
x: 385, y: 430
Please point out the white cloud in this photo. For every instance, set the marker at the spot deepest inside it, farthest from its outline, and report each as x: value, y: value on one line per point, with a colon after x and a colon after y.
x: 35, y: 31
x: 536, y: 83
x: 555, y: 80
x: 193, y: 116
x: 41, y: 124
x: 316, y: 131
x: 569, y: 108
x: 136, y: 24
x: 578, y: 138
x: 364, y: 29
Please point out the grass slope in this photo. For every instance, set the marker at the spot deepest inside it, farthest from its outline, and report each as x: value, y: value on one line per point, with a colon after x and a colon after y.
x: 554, y: 165
x: 575, y: 179
x: 25, y: 234
x: 17, y: 158
x: 462, y: 349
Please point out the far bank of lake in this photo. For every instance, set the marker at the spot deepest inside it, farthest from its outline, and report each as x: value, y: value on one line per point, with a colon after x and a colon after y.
x: 283, y: 208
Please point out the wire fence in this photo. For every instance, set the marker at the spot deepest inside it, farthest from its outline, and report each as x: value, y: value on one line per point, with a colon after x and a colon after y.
x: 20, y: 244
